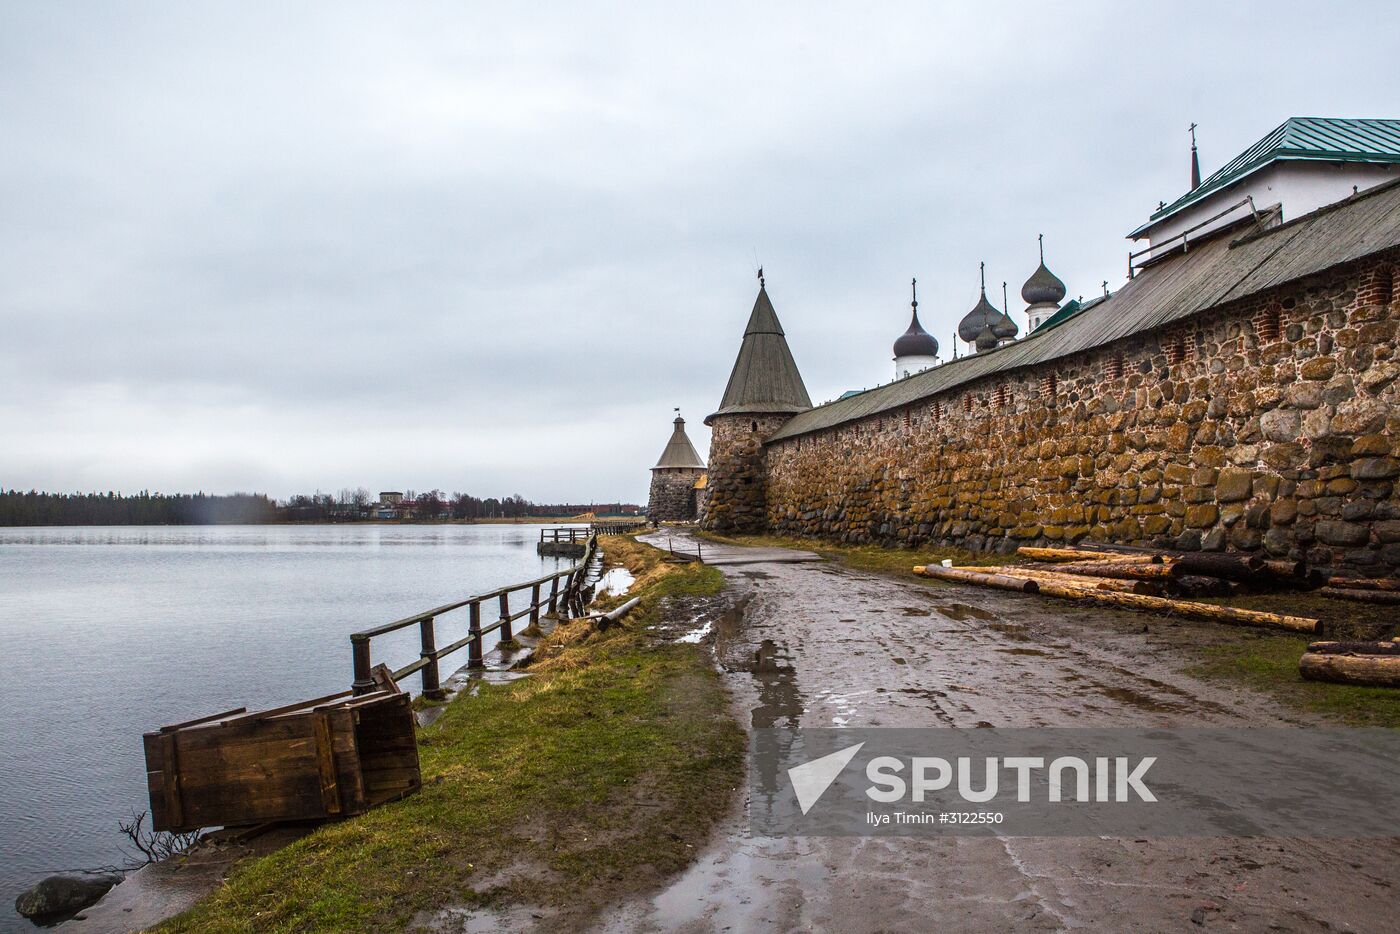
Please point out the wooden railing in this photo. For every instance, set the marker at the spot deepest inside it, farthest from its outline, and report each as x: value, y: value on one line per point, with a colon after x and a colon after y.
x: 617, y: 526
x: 568, y: 598
x: 568, y: 534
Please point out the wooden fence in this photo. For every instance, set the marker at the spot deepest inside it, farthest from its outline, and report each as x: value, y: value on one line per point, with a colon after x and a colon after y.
x: 617, y: 526
x: 566, y: 534
x: 568, y: 598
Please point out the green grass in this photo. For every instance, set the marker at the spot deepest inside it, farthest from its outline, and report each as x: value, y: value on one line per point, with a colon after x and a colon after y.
x: 1269, y: 663
x: 601, y: 773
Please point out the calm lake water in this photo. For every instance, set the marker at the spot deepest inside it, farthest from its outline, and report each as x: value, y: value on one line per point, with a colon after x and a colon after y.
x: 109, y: 632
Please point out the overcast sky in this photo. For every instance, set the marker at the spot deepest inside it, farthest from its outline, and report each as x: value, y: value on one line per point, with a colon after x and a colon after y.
x: 488, y: 247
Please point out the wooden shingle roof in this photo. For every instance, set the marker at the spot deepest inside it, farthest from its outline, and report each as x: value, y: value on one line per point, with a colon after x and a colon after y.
x: 1209, y: 275
x: 765, y: 378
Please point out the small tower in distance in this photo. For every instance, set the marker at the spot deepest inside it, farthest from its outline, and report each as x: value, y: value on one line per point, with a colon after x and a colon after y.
x: 674, y: 477
x: 916, y: 349
x: 1042, y: 292
x: 764, y: 391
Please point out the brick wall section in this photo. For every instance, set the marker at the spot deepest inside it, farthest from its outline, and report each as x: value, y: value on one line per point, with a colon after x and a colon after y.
x: 736, y: 501
x: 672, y: 496
x: 1267, y: 425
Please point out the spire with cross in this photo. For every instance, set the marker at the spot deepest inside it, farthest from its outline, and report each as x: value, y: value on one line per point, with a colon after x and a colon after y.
x: 1195, y: 160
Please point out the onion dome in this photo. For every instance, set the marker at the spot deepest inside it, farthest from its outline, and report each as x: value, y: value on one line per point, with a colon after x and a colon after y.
x: 1004, y: 328
x: 1043, y: 287
x: 985, y: 316
x: 915, y: 342
x: 987, y: 340
x: 981, y: 316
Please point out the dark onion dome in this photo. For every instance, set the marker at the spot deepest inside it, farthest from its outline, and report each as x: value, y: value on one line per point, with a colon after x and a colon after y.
x: 915, y: 342
x: 1043, y: 287
x: 987, y: 340
x: 1003, y: 327
x: 983, y: 314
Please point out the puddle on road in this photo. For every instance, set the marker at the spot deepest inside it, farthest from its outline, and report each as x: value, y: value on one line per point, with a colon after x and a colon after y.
x: 1017, y: 631
x: 1140, y: 700
x: 1024, y: 652
x: 724, y: 626
x: 962, y: 612
x: 914, y: 611
x: 614, y: 582
x: 756, y: 575
x: 779, y: 700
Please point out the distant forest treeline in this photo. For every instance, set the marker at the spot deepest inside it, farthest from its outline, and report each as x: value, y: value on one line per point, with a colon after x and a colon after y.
x: 33, y: 508
x: 144, y: 508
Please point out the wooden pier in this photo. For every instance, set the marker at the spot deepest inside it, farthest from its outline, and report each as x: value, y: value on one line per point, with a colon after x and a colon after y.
x: 566, y: 542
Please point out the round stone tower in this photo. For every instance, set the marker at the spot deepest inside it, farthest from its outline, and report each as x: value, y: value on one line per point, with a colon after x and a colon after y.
x: 674, y: 478
x: 765, y: 390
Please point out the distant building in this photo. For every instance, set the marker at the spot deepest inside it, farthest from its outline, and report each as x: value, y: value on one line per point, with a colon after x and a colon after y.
x: 675, y: 479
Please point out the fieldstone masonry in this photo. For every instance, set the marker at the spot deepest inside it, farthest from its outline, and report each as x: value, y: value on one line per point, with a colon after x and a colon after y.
x: 738, y: 473
x: 673, y: 494
x: 1269, y: 425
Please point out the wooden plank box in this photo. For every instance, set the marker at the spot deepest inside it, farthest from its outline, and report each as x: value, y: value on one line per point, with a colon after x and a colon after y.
x: 332, y: 757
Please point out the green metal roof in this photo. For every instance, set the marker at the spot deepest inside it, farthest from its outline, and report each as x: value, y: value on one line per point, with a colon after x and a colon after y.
x: 1319, y: 139
x: 1069, y: 310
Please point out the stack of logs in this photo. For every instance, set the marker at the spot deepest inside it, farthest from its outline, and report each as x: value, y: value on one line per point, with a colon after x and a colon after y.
x: 1148, y: 580
x: 1162, y: 581
x: 1370, y: 663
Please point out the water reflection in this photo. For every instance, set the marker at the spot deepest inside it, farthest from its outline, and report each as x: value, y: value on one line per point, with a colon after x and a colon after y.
x: 109, y: 632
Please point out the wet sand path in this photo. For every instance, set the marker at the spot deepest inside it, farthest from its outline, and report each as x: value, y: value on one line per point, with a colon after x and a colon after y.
x: 860, y: 649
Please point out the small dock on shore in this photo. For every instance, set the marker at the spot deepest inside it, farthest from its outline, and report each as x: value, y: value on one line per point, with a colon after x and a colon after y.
x: 569, y: 541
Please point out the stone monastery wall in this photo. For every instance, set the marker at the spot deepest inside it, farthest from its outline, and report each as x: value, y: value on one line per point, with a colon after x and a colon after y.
x: 1268, y: 424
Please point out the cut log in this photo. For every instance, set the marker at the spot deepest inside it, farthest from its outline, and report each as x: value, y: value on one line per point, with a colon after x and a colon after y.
x: 1355, y: 648
x: 1074, y: 554
x: 1194, y: 585
x: 1361, y: 596
x: 1232, y: 567
x: 1205, y: 611
x: 1365, y: 583
x: 1278, y: 568
x: 1371, y: 670
x: 1021, y: 584
x: 1118, y: 569
x: 1051, y: 574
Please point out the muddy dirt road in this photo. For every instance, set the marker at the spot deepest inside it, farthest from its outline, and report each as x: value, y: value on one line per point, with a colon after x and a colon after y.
x: 857, y: 649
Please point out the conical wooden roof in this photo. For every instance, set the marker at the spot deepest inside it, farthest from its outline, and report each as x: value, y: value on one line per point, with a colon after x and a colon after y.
x: 765, y: 380
x: 679, y: 451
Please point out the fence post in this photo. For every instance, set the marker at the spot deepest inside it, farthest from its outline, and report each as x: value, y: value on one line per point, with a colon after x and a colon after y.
x: 506, y: 635
x: 474, y: 630
x: 364, y: 681
x: 432, y: 686
x: 535, y: 605
x: 554, y: 595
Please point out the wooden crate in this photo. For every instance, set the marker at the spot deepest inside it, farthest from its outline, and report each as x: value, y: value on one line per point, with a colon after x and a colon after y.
x: 332, y: 757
